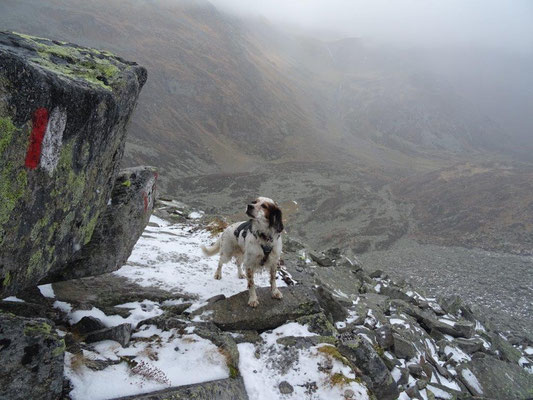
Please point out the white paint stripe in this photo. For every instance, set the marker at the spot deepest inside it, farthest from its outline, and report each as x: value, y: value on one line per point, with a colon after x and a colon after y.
x: 53, y: 140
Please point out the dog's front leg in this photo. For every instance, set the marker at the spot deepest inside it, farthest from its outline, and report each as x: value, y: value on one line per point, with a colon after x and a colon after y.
x: 276, y: 294
x: 252, y: 300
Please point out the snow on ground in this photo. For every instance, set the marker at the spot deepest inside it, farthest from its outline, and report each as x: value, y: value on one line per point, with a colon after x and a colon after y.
x: 171, y: 360
x: 169, y: 257
x: 313, y: 374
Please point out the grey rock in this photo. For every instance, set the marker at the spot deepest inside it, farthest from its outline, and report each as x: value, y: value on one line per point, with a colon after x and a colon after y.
x: 321, y: 259
x: 176, y: 309
x: 505, y: 349
x: 118, y: 228
x: 332, y: 308
x: 450, y: 304
x: 222, y: 340
x: 223, y: 389
x: 285, y: 388
x: 28, y: 310
x: 414, y: 393
x: 87, y: 324
x: 55, y: 197
x: 469, y: 346
x: 403, y: 348
x: 384, y: 336
x: 120, y: 333
x: 395, y: 293
x: 404, y: 376
x: 376, y: 274
x: 106, y: 291
x: 32, y: 359
x: 234, y: 313
x: 416, y: 370
x: 363, y: 356
x: 291, y: 245
x: 349, y: 394
x: 318, y: 323
x: 498, y: 379
x: 247, y: 337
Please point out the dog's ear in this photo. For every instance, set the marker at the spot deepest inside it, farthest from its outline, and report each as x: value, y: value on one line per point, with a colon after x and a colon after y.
x: 275, y: 219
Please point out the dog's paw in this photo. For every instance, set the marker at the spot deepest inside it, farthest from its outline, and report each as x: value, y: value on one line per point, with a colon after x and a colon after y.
x: 218, y: 275
x: 276, y: 294
x: 253, y: 303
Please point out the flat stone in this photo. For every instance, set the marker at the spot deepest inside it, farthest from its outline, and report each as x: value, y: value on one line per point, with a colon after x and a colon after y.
x: 233, y: 313
x: 403, y: 348
x: 223, y: 389
x: 285, y: 388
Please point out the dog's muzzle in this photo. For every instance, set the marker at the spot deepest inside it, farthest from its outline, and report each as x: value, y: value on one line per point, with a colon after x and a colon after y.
x: 249, y: 210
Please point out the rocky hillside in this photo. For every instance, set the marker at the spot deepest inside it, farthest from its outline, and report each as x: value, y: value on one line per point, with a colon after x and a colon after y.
x: 328, y: 124
x: 162, y: 327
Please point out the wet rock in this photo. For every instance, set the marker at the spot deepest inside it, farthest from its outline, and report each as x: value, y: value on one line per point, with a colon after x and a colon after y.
x: 285, y: 388
x: 496, y: 379
x: 120, y: 333
x: 233, y: 313
x: 223, y: 389
x: 72, y: 103
x: 87, y: 324
x: 117, y: 229
x: 32, y: 359
x: 363, y: 356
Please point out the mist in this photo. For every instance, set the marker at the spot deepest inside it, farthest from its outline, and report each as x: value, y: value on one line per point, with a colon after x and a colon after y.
x: 481, y: 23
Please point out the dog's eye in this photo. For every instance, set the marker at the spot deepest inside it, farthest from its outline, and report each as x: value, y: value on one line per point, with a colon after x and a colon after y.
x: 263, y: 205
x: 254, y: 202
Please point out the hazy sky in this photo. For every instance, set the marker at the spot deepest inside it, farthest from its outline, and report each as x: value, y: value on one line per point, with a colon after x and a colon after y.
x: 493, y: 23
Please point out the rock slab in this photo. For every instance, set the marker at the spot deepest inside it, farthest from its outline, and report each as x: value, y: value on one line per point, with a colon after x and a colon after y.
x: 32, y: 359
x: 63, y: 116
x: 223, y: 389
x: 233, y: 313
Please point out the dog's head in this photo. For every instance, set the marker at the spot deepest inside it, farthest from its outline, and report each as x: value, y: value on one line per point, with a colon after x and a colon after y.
x: 266, y: 212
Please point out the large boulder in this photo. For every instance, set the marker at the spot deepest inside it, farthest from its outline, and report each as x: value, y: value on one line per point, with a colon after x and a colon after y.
x: 234, y: 313
x: 32, y: 359
x: 63, y: 115
x: 118, y: 228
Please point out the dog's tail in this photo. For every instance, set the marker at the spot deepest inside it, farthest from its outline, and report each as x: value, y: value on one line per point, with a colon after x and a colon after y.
x: 211, y: 250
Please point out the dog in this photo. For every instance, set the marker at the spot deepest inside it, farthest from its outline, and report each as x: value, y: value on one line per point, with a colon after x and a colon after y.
x: 256, y: 243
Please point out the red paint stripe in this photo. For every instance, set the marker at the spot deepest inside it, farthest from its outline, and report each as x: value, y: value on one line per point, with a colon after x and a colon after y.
x: 40, y: 120
x: 145, y: 198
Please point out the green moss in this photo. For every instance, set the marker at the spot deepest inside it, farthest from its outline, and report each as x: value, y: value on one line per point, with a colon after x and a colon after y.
x: 6, y: 133
x: 90, y: 229
x: 37, y: 329
x: 60, y: 349
x: 339, y: 379
x: 12, y: 187
x: 233, y: 372
x: 39, y: 227
x: 126, y: 183
x: 93, y: 66
x: 36, y: 260
x: 334, y: 353
x: 7, y: 279
x: 379, y: 350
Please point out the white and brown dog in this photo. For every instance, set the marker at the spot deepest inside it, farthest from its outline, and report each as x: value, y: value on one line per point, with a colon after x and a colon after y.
x: 256, y: 243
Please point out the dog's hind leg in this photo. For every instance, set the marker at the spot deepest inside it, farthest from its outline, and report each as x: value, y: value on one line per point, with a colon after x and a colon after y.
x: 221, y: 261
x: 276, y: 294
x: 238, y: 260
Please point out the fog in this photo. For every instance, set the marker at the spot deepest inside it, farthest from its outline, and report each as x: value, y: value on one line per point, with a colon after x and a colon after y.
x: 486, y: 23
